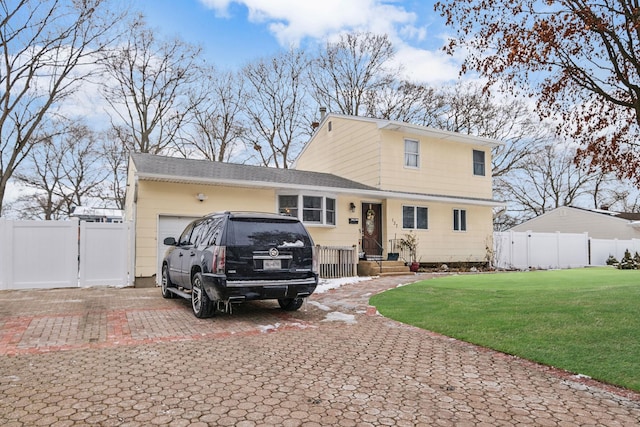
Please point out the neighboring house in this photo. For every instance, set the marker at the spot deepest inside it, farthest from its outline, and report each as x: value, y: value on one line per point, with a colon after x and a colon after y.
x: 84, y: 213
x: 358, y: 182
x: 598, y: 223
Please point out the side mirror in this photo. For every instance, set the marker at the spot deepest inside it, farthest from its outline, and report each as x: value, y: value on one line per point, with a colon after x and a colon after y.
x: 170, y: 241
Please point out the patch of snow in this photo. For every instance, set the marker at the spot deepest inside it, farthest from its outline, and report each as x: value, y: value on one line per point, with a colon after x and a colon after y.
x: 267, y: 328
x: 325, y: 285
x: 336, y: 316
x: 582, y: 376
x: 320, y: 306
x: 296, y: 244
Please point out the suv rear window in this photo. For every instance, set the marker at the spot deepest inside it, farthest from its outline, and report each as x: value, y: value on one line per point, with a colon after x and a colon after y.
x: 266, y: 233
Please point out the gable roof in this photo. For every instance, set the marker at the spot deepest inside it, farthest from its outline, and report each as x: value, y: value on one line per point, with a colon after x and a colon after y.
x: 601, y: 215
x: 151, y: 167
x: 628, y: 216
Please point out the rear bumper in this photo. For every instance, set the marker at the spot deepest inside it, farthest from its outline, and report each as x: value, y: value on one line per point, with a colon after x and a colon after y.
x: 220, y: 289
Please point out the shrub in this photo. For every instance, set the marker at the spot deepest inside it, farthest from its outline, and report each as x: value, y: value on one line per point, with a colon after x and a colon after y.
x: 628, y: 262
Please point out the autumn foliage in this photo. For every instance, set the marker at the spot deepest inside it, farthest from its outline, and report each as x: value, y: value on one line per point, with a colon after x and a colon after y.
x: 579, y: 59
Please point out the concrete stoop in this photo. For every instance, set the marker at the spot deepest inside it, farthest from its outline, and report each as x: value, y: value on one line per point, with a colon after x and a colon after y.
x: 389, y: 268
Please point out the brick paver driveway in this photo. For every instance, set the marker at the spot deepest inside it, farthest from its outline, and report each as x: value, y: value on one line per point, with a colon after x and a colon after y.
x: 126, y: 357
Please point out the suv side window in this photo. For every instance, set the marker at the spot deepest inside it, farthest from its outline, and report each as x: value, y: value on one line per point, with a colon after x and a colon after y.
x: 185, y: 237
x: 214, y: 232
x: 198, y: 237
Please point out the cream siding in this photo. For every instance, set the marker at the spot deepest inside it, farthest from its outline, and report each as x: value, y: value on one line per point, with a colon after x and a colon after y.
x: 572, y: 220
x: 351, y: 150
x: 440, y: 243
x: 445, y: 168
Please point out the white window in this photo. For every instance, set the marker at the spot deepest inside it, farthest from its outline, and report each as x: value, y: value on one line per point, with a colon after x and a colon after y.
x: 459, y: 220
x: 478, y: 162
x: 415, y: 217
x: 288, y: 205
x: 411, y: 153
x: 314, y: 209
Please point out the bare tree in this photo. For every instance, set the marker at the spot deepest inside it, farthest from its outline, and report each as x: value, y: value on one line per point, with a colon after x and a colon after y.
x: 276, y: 104
x: 64, y: 171
x: 114, y: 157
x: 547, y: 179
x: 151, y: 81
x: 48, y: 48
x: 407, y: 102
x: 216, y: 128
x: 347, y: 75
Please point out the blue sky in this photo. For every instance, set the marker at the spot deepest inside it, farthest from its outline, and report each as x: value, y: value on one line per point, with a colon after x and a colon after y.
x: 234, y: 32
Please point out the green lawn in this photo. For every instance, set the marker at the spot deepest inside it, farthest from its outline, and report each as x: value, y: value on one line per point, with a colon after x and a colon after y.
x: 586, y: 321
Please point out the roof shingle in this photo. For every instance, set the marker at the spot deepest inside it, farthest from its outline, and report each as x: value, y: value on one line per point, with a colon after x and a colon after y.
x: 179, y: 168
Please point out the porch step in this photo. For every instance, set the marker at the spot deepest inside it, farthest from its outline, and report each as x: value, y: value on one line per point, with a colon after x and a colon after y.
x: 389, y: 268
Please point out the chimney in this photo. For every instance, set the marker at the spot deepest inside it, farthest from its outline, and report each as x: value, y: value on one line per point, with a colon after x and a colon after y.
x: 323, y: 112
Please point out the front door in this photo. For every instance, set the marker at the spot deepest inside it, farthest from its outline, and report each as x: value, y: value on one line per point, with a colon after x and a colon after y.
x: 371, y: 228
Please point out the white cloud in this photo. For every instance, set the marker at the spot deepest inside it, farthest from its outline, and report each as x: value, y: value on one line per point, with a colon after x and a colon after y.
x: 425, y: 66
x: 292, y: 21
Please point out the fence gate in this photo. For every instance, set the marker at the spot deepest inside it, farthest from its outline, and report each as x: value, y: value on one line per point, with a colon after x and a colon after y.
x: 59, y: 254
x: 104, y: 249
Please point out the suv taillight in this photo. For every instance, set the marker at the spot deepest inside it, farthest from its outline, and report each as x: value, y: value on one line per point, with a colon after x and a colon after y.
x: 314, y: 263
x: 219, y: 259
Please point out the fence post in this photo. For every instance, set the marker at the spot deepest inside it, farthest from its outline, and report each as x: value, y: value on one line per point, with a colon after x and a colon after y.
x: 5, y: 254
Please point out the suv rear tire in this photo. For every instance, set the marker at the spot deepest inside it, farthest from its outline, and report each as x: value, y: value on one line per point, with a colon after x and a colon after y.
x: 290, y: 304
x: 202, y: 306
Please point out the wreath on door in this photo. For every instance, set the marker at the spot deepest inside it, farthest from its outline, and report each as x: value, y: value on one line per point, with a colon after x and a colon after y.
x: 370, y: 224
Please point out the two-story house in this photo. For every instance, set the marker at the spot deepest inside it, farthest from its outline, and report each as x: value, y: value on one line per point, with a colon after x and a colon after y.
x: 358, y: 182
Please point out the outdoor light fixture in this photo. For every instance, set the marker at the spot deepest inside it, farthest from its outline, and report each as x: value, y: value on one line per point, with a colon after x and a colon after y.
x: 352, y: 206
x: 201, y: 196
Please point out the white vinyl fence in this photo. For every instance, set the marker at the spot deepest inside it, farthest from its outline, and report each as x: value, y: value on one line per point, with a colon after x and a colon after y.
x: 57, y: 254
x: 529, y: 250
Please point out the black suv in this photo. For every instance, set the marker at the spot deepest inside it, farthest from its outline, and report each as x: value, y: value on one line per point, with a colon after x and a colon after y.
x: 231, y: 257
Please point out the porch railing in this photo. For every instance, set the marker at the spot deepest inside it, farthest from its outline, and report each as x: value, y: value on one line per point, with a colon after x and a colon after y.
x: 403, y: 253
x: 337, y: 261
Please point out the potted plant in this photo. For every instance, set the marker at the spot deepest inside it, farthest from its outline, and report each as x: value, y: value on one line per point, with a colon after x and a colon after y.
x: 410, y: 243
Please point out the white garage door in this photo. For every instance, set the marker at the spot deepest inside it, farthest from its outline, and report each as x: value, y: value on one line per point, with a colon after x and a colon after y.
x: 169, y: 226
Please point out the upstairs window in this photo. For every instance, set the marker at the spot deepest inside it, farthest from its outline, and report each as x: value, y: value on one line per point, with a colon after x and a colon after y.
x: 459, y: 220
x: 411, y: 153
x: 478, y: 162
